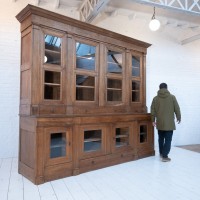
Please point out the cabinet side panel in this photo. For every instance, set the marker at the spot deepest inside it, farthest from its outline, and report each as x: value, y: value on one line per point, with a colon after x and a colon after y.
x: 27, y: 148
x: 26, y: 51
x: 25, y: 85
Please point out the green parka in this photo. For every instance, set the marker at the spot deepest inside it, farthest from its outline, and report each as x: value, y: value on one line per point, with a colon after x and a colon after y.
x: 163, y: 107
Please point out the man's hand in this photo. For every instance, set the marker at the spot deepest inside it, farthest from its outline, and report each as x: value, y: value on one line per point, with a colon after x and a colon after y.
x: 154, y: 124
x: 178, y: 121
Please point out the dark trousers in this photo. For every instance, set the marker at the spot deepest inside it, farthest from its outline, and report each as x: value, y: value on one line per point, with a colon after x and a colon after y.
x: 164, y: 141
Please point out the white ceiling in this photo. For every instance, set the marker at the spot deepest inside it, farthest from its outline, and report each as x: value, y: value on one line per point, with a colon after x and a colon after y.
x: 188, y: 23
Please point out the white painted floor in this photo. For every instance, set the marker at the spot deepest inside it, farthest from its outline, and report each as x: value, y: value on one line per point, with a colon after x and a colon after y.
x: 144, y: 179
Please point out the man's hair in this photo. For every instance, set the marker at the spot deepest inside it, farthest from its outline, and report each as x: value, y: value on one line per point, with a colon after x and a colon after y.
x: 163, y: 85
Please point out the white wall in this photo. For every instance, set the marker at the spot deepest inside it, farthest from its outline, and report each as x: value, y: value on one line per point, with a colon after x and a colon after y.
x: 10, y: 72
x: 167, y: 61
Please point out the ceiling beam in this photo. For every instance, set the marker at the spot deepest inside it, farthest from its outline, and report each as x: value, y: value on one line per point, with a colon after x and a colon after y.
x: 91, y: 8
x: 57, y: 3
x: 191, y: 39
x: 37, y: 2
x: 187, y: 6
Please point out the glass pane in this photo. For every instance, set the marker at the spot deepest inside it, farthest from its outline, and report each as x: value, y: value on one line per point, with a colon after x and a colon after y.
x: 135, y: 91
x: 122, y: 136
x: 52, y: 50
x: 92, y: 140
x: 114, y: 83
x: 85, y: 56
x: 58, y: 145
x: 114, y: 90
x: 52, y: 92
x: 82, y: 80
x: 143, y: 133
x: 52, y: 85
x: 85, y: 94
x: 85, y: 88
x: 135, y: 66
x: 52, y: 77
x: 114, y: 62
x: 113, y: 95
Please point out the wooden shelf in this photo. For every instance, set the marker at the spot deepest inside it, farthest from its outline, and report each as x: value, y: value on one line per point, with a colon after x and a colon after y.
x: 93, y: 140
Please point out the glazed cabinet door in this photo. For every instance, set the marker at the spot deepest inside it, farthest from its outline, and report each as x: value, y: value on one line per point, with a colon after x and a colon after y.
x: 145, y: 138
x: 58, y: 145
x: 53, y: 71
x: 92, y: 141
x: 122, y: 137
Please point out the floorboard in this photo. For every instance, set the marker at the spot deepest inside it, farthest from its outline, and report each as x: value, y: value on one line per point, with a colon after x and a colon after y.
x: 144, y: 179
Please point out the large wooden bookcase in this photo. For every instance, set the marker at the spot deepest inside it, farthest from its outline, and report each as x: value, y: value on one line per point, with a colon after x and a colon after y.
x: 82, y: 97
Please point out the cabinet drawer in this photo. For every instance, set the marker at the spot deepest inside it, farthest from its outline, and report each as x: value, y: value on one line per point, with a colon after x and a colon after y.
x: 121, y: 157
x: 98, y: 161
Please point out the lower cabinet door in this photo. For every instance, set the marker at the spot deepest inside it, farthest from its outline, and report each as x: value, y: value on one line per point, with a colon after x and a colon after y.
x: 92, y: 140
x: 58, y: 145
x: 122, y: 138
x: 145, y: 139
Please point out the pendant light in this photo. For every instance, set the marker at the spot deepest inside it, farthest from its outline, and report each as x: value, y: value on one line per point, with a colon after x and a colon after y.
x: 154, y: 24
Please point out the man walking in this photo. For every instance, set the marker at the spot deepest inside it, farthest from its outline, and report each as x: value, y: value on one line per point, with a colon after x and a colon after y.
x: 163, y: 108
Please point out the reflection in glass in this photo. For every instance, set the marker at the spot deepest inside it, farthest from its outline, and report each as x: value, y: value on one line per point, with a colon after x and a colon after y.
x: 135, y: 66
x: 143, y: 133
x: 114, y: 62
x: 57, y: 145
x: 85, y: 56
x: 114, y: 90
x: 92, y: 140
x: 135, y: 91
x: 122, y: 137
x: 52, y: 85
x: 52, y: 50
x: 85, y: 86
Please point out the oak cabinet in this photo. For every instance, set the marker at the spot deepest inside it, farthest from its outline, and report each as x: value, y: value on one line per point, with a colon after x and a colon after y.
x: 82, y: 97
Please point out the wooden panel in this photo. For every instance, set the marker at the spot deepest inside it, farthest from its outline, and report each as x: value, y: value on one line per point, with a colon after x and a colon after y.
x: 93, y: 163
x: 25, y: 109
x: 25, y: 87
x: 36, y: 66
x: 122, y: 157
x: 145, y: 152
x: 26, y: 51
x: 57, y: 171
x: 28, y: 123
x: 27, y: 148
x: 52, y: 109
x: 26, y: 171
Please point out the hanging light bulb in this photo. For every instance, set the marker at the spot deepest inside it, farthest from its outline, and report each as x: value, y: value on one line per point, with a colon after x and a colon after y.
x: 154, y: 24
x: 45, y: 59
